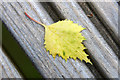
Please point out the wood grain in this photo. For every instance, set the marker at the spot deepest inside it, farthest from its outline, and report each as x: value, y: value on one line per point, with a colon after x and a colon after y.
x: 100, y: 27
x: 8, y: 69
x: 31, y: 37
x: 99, y: 50
x: 108, y: 14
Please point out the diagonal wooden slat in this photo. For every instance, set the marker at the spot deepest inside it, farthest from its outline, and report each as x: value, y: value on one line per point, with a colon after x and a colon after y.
x: 100, y: 27
x: 100, y: 51
x: 8, y: 69
x: 31, y: 37
x: 108, y: 13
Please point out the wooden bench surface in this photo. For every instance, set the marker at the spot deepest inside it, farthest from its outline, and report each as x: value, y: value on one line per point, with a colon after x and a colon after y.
x: 109, y: 16
x: 7, y: 69
x: 30, y: 36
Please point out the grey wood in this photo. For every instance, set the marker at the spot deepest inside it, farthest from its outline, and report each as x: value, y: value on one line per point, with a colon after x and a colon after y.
x: 100, y: 27
x: 100, y: 51
x: 8, y: 69
x: 31, y: 37
x: 108, y: 13
x: 4, y: 75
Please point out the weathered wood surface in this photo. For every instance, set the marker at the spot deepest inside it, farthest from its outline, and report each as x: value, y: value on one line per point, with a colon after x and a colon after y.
x: 8, y: 69
x: 45, y: 63
x: 31, y: 37
x: 97, y: 46
x: 108, y: 13
x: 100, y: 27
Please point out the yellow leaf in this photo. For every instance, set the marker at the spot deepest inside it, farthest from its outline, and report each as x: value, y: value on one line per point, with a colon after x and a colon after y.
x: 64, y: 38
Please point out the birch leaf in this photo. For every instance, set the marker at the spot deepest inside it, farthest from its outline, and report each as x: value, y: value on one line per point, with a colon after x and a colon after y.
x: 64, y: 39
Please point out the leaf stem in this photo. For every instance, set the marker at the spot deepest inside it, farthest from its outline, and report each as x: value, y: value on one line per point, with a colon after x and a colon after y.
x: 33, y: 19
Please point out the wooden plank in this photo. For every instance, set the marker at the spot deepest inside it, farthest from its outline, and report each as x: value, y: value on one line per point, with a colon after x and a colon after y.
x: 31, y: 37
x: 8, y: 69
x: 108, y: 14
x: 103, y: 56
x: 100, y: 27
